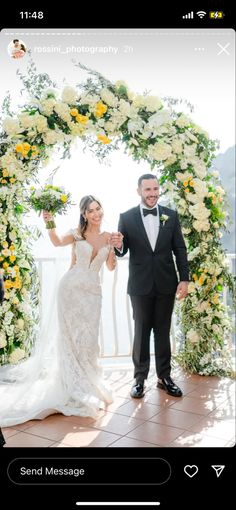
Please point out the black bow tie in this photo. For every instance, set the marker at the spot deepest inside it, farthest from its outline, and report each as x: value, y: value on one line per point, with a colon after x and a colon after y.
x: 150, y: 211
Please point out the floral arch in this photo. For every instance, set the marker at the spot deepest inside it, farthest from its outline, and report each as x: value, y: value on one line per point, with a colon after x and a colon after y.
x: 107, y: 116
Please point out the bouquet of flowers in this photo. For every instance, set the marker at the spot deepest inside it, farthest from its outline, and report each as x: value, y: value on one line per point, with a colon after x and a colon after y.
x: 49, y: 198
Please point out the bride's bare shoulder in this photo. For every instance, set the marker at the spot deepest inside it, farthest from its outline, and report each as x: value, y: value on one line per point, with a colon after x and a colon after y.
x: 76, y: 233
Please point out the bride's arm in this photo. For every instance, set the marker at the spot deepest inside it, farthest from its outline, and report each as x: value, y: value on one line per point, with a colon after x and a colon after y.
x: 111, y: 260
x: 56, y: 240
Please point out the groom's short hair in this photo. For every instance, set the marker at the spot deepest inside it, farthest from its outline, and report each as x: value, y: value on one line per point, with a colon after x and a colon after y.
x: 146, y: 176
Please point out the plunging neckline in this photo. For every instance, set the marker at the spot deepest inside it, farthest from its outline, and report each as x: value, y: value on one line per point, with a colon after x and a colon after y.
x: 91, y: 246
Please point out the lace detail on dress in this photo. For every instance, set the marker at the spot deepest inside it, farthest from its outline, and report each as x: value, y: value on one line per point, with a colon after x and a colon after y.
x: 74, y: 232
x: 72, y: 382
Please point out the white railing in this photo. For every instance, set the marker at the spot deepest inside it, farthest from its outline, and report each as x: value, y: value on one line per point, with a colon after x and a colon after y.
x: 116, y: 328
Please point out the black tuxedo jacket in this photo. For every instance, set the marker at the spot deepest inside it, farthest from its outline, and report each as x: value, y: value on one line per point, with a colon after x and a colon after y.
x: 148, y: 267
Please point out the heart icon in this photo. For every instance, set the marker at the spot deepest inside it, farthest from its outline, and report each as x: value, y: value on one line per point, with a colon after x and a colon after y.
x: 190, y: 470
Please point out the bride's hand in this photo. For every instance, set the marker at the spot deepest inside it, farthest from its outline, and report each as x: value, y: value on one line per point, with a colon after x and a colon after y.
x: 116, y: 240
x: 47, y: 216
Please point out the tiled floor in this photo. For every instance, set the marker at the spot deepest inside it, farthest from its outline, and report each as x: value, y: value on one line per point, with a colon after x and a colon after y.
x: 204, y: 416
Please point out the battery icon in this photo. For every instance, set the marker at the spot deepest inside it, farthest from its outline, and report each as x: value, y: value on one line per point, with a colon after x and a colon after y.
x: 216, y: 14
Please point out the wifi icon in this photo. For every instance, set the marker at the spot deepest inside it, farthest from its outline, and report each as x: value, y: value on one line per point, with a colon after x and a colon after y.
x: 201, y: 14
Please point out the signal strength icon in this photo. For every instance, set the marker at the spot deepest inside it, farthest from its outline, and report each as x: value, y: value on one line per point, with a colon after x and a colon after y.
x: 201, y: 14
x: 188, y: 16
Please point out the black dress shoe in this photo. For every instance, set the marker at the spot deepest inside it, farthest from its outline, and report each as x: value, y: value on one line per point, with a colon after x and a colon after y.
x: 170, y: 387
x: 137, y: 391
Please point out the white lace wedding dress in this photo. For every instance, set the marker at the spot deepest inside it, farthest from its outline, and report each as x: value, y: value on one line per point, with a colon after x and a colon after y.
x: 68, y: 378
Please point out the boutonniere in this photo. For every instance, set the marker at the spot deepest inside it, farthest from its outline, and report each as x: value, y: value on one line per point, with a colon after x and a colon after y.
x: 164, y: 218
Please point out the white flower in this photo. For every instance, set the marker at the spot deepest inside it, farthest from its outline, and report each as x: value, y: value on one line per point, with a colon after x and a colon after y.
x: 20, y: 323
x: 16, y: 355
x: 11, y: 126
x: 69, y: 95
x: 182, y: 121
x: 3, y: 341
x: 164, y: 218
x: 63, y: 110
x: 89, y: 99
x: 159, y: 118
x: 193, y: 336
x: 47, y: 106
x: 159, y: 151
x: 108, y: 97
x: 135, y: 125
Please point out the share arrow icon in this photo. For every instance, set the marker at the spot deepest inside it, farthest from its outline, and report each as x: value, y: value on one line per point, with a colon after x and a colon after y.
x: 218, y: 469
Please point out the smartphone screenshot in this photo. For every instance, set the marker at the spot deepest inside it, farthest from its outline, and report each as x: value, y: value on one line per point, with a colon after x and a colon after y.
x: 117, y: 258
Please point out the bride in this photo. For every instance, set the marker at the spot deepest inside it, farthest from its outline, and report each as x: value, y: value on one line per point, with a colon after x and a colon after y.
x: 69, y: 381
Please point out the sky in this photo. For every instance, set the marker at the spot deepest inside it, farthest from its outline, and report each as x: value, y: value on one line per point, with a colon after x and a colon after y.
x: 195, y: 65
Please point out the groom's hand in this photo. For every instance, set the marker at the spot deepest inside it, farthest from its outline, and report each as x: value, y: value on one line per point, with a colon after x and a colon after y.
x: 182, y: 290
x: 116, y: 240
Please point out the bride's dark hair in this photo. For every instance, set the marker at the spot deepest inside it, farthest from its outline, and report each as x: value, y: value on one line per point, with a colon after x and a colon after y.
x: 84, y: 205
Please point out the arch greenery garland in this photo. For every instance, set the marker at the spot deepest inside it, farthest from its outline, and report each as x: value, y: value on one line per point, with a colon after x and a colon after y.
x: 107, y: 116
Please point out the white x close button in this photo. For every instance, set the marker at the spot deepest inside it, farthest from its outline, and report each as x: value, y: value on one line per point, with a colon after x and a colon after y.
x: 223, y: 49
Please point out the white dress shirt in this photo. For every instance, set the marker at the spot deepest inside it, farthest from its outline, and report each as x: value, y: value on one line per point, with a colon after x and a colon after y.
x: 151, y: 225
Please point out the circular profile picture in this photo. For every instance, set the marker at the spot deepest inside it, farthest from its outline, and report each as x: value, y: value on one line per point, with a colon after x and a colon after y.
x: 16, y: 49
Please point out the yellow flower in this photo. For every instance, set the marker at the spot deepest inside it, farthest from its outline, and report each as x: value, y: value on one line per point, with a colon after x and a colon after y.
x: 5, y: 244
x: 185, y: 183
x: 186, y: 190
x: 202, y: 279
x: 33, y: 147
x: 3, y: 181
x: 195, y: 277
x: 191, y: 183
x: 104, y: 139
x: 12, y: 258
x: 19, y: 147
x: 12, y: 180
x: 12, y: 247
x: 82, y: 119
x: 74, y: 112
x: 5, y: 173
x: 5, y: 265
x: 64, y: 198
x: 8, y: 284
x: 101, y: 108
x: 26, y: 146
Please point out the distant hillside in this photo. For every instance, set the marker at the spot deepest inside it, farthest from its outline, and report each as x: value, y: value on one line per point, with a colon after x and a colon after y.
x: 225, y: 164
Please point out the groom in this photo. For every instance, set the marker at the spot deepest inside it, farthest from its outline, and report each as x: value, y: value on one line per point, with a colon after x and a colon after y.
x: 152, y: 234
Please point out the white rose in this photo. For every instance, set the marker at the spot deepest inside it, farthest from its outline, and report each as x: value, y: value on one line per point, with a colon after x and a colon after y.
x: 20, y: 323
x: 108, y: 97
x: 69, y: 95
x: 193, y: 336
x: 11, y: 126
x: 182, y: 121
x: 16, y: 355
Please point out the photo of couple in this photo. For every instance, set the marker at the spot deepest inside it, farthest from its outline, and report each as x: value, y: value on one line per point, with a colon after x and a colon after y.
x: 17, y: 49
x: 79, y: 388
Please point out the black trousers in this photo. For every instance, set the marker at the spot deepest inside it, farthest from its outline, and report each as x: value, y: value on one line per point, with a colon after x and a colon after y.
x: 152, y: 312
